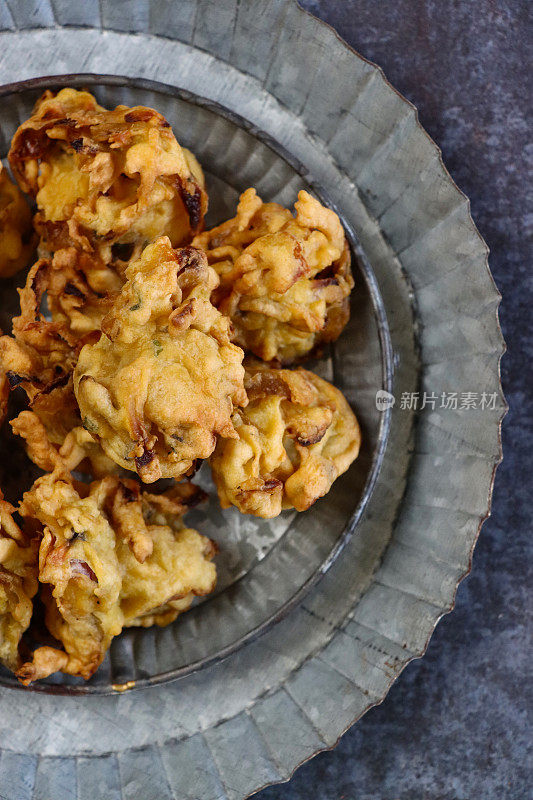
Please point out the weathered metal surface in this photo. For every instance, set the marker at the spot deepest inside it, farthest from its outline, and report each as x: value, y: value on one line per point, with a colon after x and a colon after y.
x: 339, y: 651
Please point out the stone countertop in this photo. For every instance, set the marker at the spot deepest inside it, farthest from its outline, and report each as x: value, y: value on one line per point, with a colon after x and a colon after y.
x: 454, y: 725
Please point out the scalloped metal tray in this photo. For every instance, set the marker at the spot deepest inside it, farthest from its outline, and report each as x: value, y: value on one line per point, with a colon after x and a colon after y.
x: 249, y: 719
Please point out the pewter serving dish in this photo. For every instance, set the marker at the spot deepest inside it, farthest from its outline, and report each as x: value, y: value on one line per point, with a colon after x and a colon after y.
x: 314, y: 617
x: 265, y: 567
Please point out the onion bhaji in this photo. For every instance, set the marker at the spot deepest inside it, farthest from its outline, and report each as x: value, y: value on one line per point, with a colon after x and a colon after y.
x: 110, y: 556
x: 41, y: 354
x: 128, y: 347
x: 16, y: 235
x: 18, y: 584
x: 106, y: 179
x: 284, y: 281
x: 77, y: 451
x: 161, y: 384
x: 79, y: 292
x: 295, y: 437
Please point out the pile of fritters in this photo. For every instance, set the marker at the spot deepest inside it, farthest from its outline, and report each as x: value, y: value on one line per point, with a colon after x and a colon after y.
x: 129, y: 350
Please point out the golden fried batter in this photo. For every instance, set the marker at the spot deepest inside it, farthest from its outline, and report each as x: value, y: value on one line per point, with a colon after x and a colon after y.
x: 284, y: 281
x: 161, y: 384
x: 78, y: 450
x: 79, y: 292
x: 16, y: 236
x: 104, y: 178
x: 110, y: 556
x: 18, y: 584
x: 129, y: 352
x: 295, y: 437
x: 178, y: 569
x: 41, y: 355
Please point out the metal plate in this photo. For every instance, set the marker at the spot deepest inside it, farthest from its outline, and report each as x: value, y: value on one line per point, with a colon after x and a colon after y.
x: 292, y: 551
x: 252, y: 718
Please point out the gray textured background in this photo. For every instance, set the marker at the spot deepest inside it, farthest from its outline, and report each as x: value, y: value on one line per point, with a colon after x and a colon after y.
x: 454, y: 727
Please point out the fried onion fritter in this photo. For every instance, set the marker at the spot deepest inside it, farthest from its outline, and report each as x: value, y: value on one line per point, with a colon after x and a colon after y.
x: 295, y: 437
x: 161, y: 384
x: 79, y: 291
x: 110, y: 556
x: 129, y: 351
x: 18, y: 584
x: 97, y: 585
x: 284, y: 281
x: 41, y: 355
x: 78, y: 450
x: 16, y: 236
x: 103, y: 178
